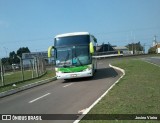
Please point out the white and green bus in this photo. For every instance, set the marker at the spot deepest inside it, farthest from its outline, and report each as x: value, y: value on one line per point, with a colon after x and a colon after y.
x: 73, y: 55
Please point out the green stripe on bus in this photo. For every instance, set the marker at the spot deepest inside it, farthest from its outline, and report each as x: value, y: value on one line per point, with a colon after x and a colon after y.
x: 73, y: 69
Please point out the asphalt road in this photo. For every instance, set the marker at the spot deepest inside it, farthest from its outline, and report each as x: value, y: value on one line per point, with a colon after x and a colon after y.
x: 61, y: 97
x: 154, y: 60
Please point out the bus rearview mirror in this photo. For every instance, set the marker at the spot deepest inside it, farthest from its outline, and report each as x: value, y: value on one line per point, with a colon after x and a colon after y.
x: 91, y: 48
x: 50, y: 51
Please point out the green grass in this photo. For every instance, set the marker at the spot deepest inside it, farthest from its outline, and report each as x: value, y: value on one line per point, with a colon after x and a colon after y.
x: 13, y: 77
x: 17, y: 76
x: 49, y: 74
x: 138, y: 92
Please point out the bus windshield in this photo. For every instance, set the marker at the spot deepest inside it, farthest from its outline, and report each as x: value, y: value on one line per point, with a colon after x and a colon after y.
x: 72, y: 40
x: 73, y: 56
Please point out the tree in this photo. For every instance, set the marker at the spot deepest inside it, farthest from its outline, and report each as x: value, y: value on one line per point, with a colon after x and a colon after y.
x: 135, y: 47
x: 12, y: 54
x: 152, y: 50
x: 22, y: 50
x: 5, y: 61
x: 13, y: 59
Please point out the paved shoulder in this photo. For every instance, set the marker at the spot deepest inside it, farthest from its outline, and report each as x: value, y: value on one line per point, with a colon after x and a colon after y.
x: 154, y: 60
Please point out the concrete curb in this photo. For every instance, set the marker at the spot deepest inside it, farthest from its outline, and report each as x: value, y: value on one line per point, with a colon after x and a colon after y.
x: 117, y: 68
x: 88, y: 109
x: 25, y: 87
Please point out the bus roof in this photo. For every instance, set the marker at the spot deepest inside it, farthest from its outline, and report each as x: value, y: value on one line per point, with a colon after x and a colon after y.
x: 72, y: 34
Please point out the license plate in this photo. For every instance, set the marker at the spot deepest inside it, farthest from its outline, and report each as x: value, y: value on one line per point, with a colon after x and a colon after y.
x: 73, y: 75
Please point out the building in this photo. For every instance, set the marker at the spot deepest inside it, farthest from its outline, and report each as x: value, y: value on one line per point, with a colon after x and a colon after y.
x: 123, y: 49
x: 157, y: 48
x: 156, y: 45
x: 104, y: 48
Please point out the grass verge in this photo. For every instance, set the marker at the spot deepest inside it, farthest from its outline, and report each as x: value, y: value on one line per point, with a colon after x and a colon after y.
x: 136, y: 93
x: 49, y: 74
x: 16, y: 76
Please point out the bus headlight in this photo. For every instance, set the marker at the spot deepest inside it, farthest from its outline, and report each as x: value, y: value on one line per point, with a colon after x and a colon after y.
x: 59, y: 71
x: 88, y: 69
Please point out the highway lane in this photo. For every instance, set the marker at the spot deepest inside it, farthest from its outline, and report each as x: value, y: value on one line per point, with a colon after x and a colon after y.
x: 154, y: 60
x: 61, y: 97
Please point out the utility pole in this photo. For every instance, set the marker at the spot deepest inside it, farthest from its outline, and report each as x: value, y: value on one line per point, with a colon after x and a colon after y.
x: 155, y: 38
x: 103, y: 46
x: 144, y: 48
x: 108, y: 46
x: 135, y: 49
x: 155, y: 41
x: 132, y: 42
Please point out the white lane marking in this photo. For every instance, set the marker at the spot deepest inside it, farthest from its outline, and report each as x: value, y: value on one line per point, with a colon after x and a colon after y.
x: 152, y: 63
x: 85, y: 111
x: 81, y: 111
x: 39, y: 98
x: 67, y: 85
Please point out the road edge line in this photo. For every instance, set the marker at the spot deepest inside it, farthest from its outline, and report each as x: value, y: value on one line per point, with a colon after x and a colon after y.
x: 88, y: 109
x: 152, y: 63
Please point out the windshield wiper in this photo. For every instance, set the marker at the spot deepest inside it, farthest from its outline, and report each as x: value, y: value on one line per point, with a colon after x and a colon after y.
x: 67, y: 57
x: 78, y: 59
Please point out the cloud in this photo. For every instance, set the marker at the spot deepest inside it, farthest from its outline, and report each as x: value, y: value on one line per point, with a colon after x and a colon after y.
x: 4, y: 24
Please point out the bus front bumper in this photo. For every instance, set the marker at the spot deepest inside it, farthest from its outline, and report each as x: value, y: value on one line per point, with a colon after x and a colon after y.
x: 82, y: 74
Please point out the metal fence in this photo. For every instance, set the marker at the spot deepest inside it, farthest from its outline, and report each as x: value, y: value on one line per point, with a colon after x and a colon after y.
x: 27, y: 69
x: 107, y: 53
x: 124, y: 53
x: 35, y: 67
